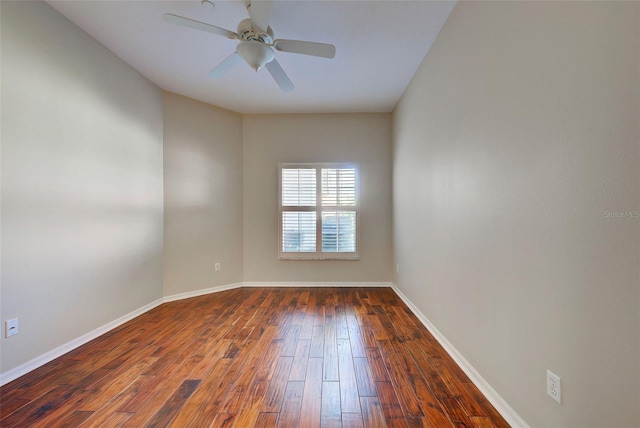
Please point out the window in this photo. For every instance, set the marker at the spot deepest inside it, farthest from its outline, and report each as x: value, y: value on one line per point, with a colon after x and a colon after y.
x: 318, y: 211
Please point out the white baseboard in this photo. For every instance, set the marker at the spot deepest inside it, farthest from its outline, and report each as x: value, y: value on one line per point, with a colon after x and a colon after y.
x: 40, y: 360
x: 201, y: 292
x: 494, y: 398
x: 316, y: 284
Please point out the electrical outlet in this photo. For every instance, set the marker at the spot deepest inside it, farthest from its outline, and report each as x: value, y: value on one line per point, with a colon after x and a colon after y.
x: 11, y: 327
x: 217, y: 266
x: 554, y: 389
x: 398, y: 267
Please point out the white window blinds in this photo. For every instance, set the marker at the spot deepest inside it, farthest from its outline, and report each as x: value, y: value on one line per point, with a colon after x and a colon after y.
x: 318, y: 211
x: 298, y: 187
x: 338, y: 186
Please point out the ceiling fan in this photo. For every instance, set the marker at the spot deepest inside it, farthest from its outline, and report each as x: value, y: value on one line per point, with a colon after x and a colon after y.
x: 257, y: 43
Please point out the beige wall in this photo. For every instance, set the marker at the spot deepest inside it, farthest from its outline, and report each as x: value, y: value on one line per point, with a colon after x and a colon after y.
x: 269, y: 139
x: 202, y: 195
x: 81, y: 183
x: 220, y: 166
x: 517, y: 135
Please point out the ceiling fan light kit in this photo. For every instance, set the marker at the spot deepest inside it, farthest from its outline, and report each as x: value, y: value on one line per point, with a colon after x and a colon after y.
x: 255, y: 53
x: 257, y: 43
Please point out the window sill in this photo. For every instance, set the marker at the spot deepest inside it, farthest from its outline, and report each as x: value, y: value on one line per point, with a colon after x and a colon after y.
x: 315, y: 258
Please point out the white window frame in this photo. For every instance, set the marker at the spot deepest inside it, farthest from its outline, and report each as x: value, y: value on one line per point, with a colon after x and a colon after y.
x: 319, y: 209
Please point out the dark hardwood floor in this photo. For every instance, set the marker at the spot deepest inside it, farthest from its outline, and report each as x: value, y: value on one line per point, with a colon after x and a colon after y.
x: 289, y: 357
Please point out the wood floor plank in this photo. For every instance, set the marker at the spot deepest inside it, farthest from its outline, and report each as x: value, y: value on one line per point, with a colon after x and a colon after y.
x: 277, y: 386
x: 377, y: 366
x: 269, y: 298
x: 317, y: 342
x: 404, y: 359
x: 492, y: 413
x: 65, y: 373
x: 331, y: 412
x: 372, y: 413
x: 268, y: 366
x: 266, y: 420
x: 392, y: 332
x: 400, y: 379
x: 298, y: 315
x: 364, y: 379
x: 434, y: 413
x: 312, y: 394
x: 219, y: 386
x: 16, y: 394
x: 249, y: 409
x: 303, y: 297
x: 360, y: 312
x: 455, y: 412
x: 309, y: 317
x: 349, y: 397
x: 368, y: 337
x: 342, y: 328
x: 332, y: 297
x: 202, y: 405
x: 291, y: 341
x: 330, y: 353
x: 154, y: 403
x: 115, y: 420
x: 437, y: 385
x: 74, y: 419
x: 235, y: 344
x: 91, y: 399
x: 391, y: 408
x: 39, y: 408
x: 43, y: 373
x: 380, y: 331
x: 266, y: 357
x: 223, y: 420
x: 409, y: 326
x: 306, y: 332
x: 162, y: 391
x: 119, y: 382
x: 241, y: 386
x: 417, y: 422
x: 352, y: 420
x: 292, y: 405
x: 113, y: 408
x: 257, y: 319
x: 355, y: 335
x: 481, y: 422
x: 300, y: 361
x: 319, y: 313
x: 139, y: 392
x: 11, y: 405
x: 205, y: 358
x: 459, y: 390
x: 171, y: 407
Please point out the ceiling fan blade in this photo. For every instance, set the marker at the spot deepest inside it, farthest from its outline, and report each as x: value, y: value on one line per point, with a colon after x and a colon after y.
x: 279, y: 76
x: 197, y: 25
x: 259, y: 12
x: 227, y: 64
x: 306, y: 48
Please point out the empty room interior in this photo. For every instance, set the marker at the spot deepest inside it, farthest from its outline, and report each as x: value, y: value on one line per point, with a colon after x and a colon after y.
x: 320, y: 213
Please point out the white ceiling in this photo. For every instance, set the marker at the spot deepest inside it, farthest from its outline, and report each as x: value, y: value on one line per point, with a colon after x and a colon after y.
x: 379, y: 45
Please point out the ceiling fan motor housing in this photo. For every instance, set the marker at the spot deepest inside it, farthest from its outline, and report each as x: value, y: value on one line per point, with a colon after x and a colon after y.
x: 247, y: 32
